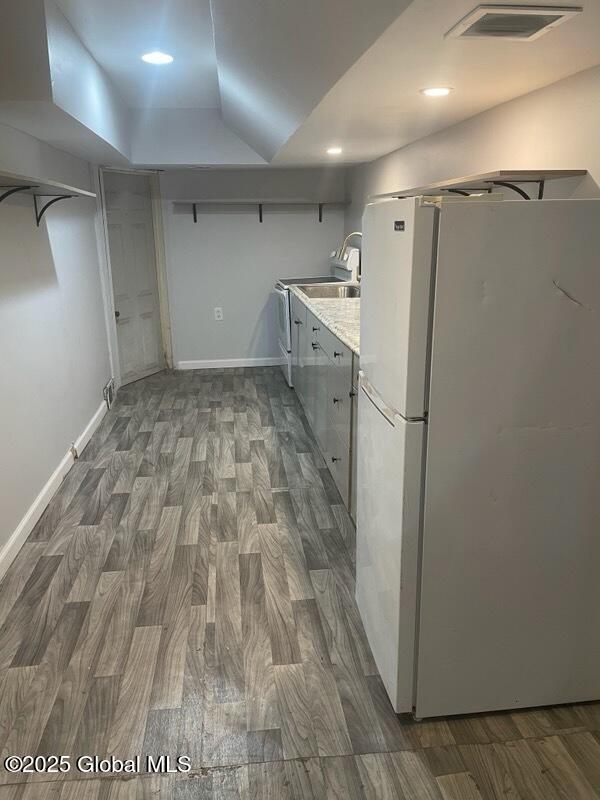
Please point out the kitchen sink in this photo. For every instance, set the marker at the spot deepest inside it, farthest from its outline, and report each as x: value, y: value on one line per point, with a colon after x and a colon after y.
x: 329, y: 290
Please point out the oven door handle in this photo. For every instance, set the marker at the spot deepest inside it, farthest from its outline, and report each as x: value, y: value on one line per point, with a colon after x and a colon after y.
x: 287, y: 335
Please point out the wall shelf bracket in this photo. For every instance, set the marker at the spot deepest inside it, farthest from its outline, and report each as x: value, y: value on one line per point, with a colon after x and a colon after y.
x: 512, y: 186
x: 40, y: 210
x: 13, y: 190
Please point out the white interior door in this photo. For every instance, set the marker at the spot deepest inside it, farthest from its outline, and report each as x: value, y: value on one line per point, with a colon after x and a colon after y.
x: 133, y: 266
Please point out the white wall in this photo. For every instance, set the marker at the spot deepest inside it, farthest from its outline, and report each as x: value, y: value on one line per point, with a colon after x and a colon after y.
x: 229, y: 259
x: 552, y: 128
x: 25, y: 73
x: 54, y: 346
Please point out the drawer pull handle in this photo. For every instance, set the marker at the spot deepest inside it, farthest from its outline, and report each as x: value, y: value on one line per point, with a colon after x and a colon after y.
x: 337, y: 400
x: 315, y: 346
x: 297, y: 322
x: 337, y: 355
x: 352, y: 393
x: 334, y: 459
x: 316, y: 329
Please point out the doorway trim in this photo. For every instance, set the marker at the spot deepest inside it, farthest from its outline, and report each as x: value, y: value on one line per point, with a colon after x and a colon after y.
x: 160, y: 265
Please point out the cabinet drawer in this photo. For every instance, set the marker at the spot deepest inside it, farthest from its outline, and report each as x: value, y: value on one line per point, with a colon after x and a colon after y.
x: 299, y: 312
x: 335, y: 350
x: 339, y: 402
x: 338, y: 461
x: 313, y: 326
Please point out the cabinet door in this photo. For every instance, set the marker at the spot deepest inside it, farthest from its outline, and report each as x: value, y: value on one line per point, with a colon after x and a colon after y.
x: 337, y: 457
x: 339, y: 387
x: 353, y: 450
x: 298, y: 346
x: 312, y: 368
x: 301, y: 388
x: 323, y: 368
x: 295, y: 354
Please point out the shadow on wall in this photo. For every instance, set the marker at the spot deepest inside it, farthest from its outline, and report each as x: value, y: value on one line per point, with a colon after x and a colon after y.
x: 265, y: 329
x: 27, y: 266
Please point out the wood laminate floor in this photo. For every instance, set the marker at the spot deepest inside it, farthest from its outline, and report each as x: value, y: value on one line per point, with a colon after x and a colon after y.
x: 190, y: 591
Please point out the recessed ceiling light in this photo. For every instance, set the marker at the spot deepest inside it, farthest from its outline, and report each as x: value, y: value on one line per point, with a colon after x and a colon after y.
x: 334, y: 151
x: 156, y: 57
x: 437, y: 91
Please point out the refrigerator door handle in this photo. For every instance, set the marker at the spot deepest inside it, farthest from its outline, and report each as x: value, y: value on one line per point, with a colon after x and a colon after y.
x: 372, y: 395
x: 391, y: 414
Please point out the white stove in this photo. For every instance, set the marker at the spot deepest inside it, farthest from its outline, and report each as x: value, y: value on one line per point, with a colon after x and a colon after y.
x: 284, y: 317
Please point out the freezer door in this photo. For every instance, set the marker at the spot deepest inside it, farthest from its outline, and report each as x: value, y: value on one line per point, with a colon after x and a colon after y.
x: 510, y: 601
x: 398, y: 238
x: 388, y: 519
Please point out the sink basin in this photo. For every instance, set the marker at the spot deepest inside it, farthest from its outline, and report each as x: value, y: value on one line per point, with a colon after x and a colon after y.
x: 329, y: 290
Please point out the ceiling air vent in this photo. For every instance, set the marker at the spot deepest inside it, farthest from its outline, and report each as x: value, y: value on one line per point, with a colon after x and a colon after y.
x: 515, y: 23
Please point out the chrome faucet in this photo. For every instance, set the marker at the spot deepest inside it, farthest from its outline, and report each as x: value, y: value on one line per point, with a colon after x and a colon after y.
x: 342, y: 251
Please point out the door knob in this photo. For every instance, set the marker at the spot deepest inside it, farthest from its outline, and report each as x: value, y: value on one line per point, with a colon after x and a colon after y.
x: 117, y: 314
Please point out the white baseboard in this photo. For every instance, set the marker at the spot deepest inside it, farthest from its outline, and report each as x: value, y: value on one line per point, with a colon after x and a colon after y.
x: 223, y: 363
x: 37, y: 508
x: 90, y: 428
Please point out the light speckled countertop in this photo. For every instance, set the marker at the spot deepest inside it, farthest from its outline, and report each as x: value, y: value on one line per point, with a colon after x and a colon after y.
x: 340, y: 315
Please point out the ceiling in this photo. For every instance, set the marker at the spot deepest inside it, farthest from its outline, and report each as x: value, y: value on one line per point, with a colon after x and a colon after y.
x: 118, y: 32
x: 258, y: 82
x: 276, y: 59
x: 377, y: 107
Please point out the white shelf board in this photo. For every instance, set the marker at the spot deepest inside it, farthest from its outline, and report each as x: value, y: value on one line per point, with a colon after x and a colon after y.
x: 258, y: 201
x: 44, y: 188
x: 484, y: 180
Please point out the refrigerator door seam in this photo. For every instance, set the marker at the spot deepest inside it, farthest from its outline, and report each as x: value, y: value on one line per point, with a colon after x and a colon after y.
x: 434, y: 267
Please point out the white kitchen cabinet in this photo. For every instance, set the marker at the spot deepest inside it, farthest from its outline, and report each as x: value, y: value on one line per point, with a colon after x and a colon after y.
x: 317, y: 379
x: 323, y: 367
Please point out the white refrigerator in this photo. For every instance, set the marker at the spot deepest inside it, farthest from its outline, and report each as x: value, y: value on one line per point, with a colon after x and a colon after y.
x: 478, y: 520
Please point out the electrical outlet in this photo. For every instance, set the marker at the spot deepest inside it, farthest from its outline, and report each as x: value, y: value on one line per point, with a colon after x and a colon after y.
x: 219, y: 314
